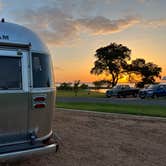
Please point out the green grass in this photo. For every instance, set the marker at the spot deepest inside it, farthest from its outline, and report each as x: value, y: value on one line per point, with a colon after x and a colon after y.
x: 149, y: 110
x: 81, y: 93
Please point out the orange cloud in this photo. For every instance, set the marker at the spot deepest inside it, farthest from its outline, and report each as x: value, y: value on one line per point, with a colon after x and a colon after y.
x: 100, y: 25
x: 56, y: 27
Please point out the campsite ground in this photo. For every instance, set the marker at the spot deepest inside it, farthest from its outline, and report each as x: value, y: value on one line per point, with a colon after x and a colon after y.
x: 91, y: 139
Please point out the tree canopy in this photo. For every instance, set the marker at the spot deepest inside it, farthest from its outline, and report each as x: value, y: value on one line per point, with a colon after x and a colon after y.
x: 148, y: 71
x: 114, y: 60
x: 111, y: 60
x: 65, y: 86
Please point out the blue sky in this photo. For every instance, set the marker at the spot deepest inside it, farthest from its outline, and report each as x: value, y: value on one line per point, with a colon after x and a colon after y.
x: 74, y: 29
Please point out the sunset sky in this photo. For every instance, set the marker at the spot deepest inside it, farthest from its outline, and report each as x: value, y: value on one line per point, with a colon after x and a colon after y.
x: 74, y: 29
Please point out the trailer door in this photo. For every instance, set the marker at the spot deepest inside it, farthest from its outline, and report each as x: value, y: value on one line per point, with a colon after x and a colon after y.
x: 42, y: 95
x: 13, y: 96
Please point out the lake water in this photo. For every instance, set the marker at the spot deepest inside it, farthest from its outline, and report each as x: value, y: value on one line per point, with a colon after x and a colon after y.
x: 99, y: 90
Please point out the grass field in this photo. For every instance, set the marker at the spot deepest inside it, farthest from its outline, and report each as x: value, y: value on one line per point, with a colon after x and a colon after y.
x: 152, y: 110
x: 84, y: 93
x: 81, y: 93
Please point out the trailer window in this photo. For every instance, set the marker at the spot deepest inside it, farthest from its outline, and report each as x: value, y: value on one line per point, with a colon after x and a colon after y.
x: 41, y: 70
x: 10, y: 73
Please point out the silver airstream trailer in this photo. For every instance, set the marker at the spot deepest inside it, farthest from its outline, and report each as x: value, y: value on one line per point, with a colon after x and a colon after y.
x: 27, y: 94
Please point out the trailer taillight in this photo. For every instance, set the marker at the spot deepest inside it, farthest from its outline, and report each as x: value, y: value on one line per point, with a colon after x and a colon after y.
x: 40, y: 105
x: 39, y: 98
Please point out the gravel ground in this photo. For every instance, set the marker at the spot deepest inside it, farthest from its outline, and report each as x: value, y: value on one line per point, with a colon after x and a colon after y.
x: 91, y: 139
x: 114, y: 100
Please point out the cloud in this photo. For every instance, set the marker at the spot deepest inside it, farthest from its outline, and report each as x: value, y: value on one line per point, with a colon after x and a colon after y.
x: 155, y: 23
x: 101, y: 25
x: 51, y: 24
x: 58, y: 68
x: 57, y: 27
x: 145, y: 1
x: 1, y: 5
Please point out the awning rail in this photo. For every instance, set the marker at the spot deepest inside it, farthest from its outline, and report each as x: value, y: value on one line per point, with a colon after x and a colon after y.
x: 24, y: 46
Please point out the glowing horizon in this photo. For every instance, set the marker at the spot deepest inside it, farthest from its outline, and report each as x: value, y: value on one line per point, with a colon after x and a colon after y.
x: 73, y: 30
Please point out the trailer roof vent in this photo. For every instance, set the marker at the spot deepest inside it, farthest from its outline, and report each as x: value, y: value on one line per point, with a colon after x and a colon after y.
x: 2, y: 20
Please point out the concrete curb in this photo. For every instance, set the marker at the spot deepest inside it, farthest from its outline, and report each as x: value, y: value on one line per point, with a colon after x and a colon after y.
x: 117, y: 115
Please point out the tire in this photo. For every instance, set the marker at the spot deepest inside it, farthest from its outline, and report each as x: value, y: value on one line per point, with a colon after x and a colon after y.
x: 124, y: 96
x: 134, y: 94
x: 108, y: 95
x: 155, y: 96
x: 142, y: 96
x: 118, y: 96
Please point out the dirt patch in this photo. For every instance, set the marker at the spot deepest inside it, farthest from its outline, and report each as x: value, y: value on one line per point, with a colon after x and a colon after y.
x: 105, y: 140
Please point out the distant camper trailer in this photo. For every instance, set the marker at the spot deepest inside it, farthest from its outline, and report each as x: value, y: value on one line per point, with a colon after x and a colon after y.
x: 27, y: 94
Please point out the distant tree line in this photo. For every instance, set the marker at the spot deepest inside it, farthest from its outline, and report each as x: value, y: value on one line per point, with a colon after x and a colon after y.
x: 75, y: 86
x: 113, y: 60
x: 71, y: 86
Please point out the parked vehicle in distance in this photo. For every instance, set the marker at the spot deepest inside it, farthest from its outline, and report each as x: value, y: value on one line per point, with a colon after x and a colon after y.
x: 156, y: 90
x: 122, y: 91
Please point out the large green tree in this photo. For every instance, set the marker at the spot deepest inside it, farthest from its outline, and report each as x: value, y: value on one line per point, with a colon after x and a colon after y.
x: 111, y: 60
x: 147, y: 71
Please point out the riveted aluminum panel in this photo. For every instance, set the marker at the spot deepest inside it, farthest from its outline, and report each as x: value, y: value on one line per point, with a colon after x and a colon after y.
x: 13, y: 33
